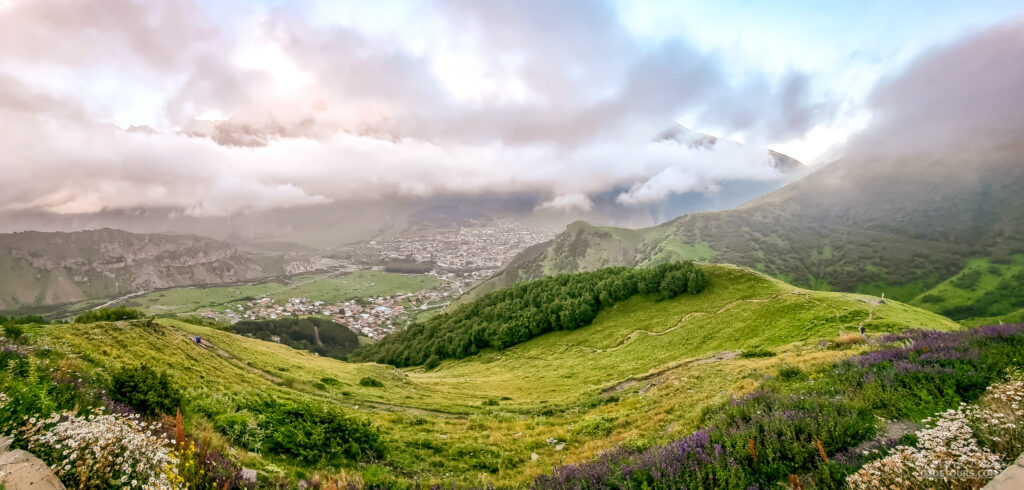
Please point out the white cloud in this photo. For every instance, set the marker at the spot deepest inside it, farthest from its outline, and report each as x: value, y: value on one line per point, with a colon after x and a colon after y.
x: 576, y: 201
x: 700, y: 170
x: 270, y: 109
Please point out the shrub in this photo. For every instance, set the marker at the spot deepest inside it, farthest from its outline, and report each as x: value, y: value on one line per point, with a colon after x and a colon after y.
x: 22, y: 320
x: 600, y: 426
x: 490, y: 402
x: 244, y: 428
x: 314, y: 434
x: 330, y: 381
x: 754, y: 353
x: 432, y: 362
x: 932, y: 299
x: 967, y: 279
x: 14, y: 331
x: 370, y: 382
x: 146, y: 390
x: 109, y: 315
x: 790, y: 372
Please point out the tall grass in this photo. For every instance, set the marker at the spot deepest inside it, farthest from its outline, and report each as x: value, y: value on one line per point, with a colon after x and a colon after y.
x: 792, y: 424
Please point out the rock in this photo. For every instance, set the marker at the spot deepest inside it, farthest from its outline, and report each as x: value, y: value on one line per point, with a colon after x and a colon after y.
x: 20, y: 470
x: 534, y: 456
x: 247, y: 475
x: 303, y: 485
x: 559, y: 447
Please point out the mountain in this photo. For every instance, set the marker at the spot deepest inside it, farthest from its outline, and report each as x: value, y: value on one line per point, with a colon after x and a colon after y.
x: 700, y: 141
x: 41, y: 269
x: 899, y: 224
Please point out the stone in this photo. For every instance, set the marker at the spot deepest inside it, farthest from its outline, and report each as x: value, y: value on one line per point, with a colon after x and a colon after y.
x: 1011, y: 478
x: 559, y: 447
x: 247, y: 475
x: 20, y: 470
x: 534, y: 456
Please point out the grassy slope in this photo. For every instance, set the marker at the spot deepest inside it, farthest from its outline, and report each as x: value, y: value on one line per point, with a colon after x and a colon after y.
x: 663, y: 360
x: 330, y: 289
x: 990, y: 275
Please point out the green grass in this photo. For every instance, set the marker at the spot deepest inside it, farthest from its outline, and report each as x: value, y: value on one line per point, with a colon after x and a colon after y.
x: 979, y: 278
x: 327, y: 288
x: 674, y: 249
x: 640, y: 374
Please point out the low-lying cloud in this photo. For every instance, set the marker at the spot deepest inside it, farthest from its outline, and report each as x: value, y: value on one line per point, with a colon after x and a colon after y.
x: 964, y: 96
x: 555, y: 98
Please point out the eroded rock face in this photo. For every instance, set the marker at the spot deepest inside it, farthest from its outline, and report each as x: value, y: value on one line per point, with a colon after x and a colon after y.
x: 20, y: 470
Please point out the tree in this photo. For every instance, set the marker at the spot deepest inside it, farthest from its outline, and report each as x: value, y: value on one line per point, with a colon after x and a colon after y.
x: 673, y: 284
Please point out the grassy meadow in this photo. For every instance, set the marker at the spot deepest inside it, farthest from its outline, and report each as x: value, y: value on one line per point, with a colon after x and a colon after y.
x: 639, y: 375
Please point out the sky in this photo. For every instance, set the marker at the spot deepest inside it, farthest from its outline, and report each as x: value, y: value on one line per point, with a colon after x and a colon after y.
x: 216, y: 108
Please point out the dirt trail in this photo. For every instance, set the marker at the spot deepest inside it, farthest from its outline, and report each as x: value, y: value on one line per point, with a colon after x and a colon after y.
x: 390, y: 407
x: 635, y: 380
x: 636, y: 333
x: 871, y: 316
x: 234, y: 361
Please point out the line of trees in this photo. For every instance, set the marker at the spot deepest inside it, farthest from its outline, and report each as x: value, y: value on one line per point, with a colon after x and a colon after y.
x: 110, y: 315
x: 22, y: 320
x: 313, y: 334
x: 526, y: 310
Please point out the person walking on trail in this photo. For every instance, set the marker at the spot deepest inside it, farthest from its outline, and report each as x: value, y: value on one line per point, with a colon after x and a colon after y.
x: 861, y: 328
x: 199, y: 341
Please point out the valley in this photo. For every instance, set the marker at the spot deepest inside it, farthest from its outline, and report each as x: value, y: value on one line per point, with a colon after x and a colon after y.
x: 640, y: 374
x: 541, y: 244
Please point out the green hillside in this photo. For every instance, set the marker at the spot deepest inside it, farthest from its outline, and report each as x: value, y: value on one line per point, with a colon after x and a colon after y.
x: 983, y: 293
x: 530, y: 309
x: 639, y: 374
x: 898, y: 226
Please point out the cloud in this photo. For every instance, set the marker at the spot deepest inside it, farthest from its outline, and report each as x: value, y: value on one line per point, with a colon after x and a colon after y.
x: 964, y: 96
x: 556, y: 98
x: 702, y: 169
x: 576, y: 201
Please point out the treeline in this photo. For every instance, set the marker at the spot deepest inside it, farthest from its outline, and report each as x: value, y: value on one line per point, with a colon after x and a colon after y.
x: 408, y: 266
x: 526, y: 310
x: 313, y: 334
x: 109, y: 315
x: 22, y: 320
